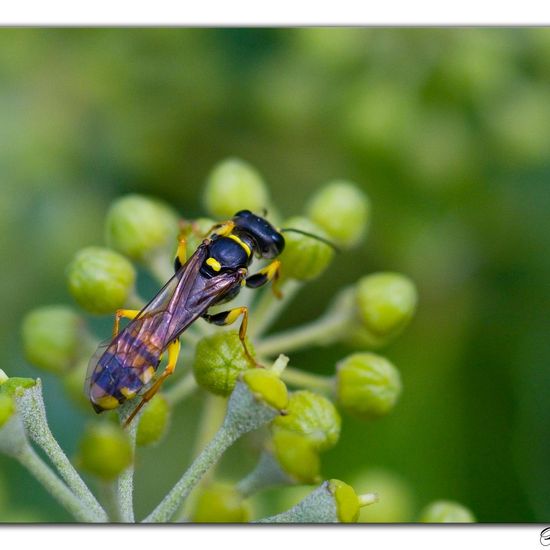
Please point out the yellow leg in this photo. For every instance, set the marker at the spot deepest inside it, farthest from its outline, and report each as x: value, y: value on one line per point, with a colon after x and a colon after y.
x: 222, y: 229
x: 173, y: 354
x: 229, y: 317
x: 126, y: 314
x: 268, y: 273
x: 181, y: 253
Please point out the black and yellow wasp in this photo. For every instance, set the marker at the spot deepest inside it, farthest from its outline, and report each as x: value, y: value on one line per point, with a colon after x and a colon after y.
x: 215, y: 273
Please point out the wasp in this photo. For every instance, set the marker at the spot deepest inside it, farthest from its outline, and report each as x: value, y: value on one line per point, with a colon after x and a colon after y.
x: 214, y: 274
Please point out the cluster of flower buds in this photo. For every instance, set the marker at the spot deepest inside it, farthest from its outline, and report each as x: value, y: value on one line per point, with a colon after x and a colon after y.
x: 304, y: 423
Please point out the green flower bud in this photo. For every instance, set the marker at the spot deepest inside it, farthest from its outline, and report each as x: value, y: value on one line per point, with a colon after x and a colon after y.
x: 446, y: 511
x: 234, y: 185
x: 221, y: 503
x: 73, y: 383
x: 297, y: 456
x: 347, y: 501
x: 52, y: 337
x: 7, y: 408
x: 396, y: 501
x: 105, y: 450
x: 267, y: 385
x: 219, y: 359
x: 15, y: 386
x: 368, y: 385
x: 304, y: 258
x: 153, y: 422
x: 343, y: 211
x: 386, y: 302
x: 100, y: 280
x: 138, y: 226
x: 313, y: 416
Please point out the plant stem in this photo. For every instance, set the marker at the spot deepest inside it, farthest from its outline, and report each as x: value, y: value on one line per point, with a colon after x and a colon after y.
x: 124, y: 495
x: 33, y: 413
x: 300, y: 378
x: 325, y: 331
x: 56, y: 487
x: 269, y: 307
x: 209, y: 456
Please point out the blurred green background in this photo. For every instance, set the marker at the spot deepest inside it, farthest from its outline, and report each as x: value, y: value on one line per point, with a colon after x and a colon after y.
x: 447, y: 130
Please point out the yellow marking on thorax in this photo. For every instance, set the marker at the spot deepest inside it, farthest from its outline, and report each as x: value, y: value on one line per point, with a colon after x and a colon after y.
x: 243, y: 244
x: 214, y: 264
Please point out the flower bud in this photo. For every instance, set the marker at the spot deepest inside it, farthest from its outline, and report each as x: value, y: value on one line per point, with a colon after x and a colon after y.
x: 396, y: 500
x: 221, y: 503
x: 347, y: 501
x: 234, y: 185
x: 219, y: 359
x: 15, y: 386
x: 7, y: 408
x: 52, y: 336
x: 73, y: 383
x: 153, y: 422
x: 138, y: 226
x: 267, y: 385
x: 446, y: 511
x: 297, y: 456
x: 368, y: 385
x: 100, y: 280
x: 304, y: 257
x: 313, y: 416
x: 343, y: 211
x: 386, y: 302
x: 105, y: 450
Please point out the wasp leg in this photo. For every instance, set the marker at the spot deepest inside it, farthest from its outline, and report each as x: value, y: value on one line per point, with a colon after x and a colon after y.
x: 222, y: 229
x: 173, y: 354
x: 126, y: 314
x: 227, y: 318
x: 181, y: 253
x: 268, y: 273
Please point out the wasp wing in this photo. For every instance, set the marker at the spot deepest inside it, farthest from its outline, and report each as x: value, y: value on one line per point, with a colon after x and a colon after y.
x: 126, y: 360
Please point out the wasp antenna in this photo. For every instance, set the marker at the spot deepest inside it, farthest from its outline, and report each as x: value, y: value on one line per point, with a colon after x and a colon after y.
x: 312, y: 235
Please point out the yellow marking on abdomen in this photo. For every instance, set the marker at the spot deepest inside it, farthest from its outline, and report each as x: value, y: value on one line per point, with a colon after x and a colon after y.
x: 243, y: 244
x: 127, y: 392
x: 107, y: 402
x: 147, y: 374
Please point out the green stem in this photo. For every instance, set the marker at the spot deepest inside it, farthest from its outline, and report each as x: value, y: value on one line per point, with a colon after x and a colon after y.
x: 41, y: 471
x: 209, y: 456
x: 181, y: 389
x: 124, y: 492
x: 109, y: 497
x: 303, y: 379
x: 33, y: 412
x: 269, y: 307
x: 325, y: 331
x: 245, y: 412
